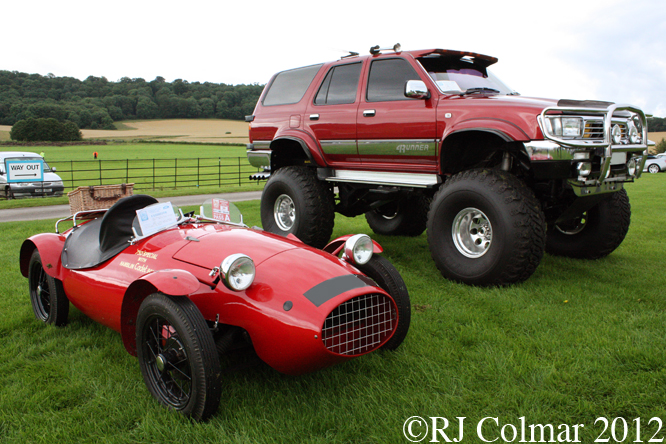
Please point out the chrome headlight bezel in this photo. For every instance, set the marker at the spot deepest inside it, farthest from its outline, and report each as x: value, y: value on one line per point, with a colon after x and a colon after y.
x: 358, y: 249
x: 237, y: 271
x: 562, y: 126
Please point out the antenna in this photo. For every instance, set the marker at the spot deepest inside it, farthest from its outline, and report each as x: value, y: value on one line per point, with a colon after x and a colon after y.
x: 351, y: 54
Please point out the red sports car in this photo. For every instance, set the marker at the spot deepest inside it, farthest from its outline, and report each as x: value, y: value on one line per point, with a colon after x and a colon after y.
x: 184, y: 289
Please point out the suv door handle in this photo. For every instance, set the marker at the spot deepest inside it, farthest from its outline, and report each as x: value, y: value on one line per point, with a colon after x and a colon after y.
x: 314, y: 116
x: 369, y: 113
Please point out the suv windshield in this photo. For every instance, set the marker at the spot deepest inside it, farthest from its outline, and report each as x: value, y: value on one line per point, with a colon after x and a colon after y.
x: 456, y: 76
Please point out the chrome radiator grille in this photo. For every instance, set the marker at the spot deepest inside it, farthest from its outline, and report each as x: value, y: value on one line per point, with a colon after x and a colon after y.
x: 594, y: 129
x: 359, y: 325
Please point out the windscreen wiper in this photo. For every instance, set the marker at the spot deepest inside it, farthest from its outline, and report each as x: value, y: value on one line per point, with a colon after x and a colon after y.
x: 480, y: 90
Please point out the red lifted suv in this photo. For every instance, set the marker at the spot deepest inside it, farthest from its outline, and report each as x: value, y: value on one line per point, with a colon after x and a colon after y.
x: 432, y: 139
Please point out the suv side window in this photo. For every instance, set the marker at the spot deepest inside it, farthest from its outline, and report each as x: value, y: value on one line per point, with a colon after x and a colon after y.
x: 289, y: 86
x: 387, y: 79
x: 340, y: 85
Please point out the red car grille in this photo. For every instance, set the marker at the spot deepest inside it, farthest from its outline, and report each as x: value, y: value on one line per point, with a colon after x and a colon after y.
x: 359, y: 325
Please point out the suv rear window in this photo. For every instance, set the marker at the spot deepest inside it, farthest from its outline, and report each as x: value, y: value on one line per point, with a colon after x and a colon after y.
x: 340, y: 85
x: 289, y: 86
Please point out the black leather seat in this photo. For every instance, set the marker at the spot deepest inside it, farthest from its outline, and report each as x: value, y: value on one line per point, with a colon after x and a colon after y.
x: 99, y: 240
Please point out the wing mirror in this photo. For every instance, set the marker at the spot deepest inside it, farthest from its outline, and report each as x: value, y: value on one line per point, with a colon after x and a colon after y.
x: 416, y: 89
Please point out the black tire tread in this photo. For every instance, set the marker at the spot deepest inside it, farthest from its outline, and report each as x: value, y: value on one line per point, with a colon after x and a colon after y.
x: 599, y: 239
x: 59, y: 304
x: 316, y: 226
x: 388, y: 278
x: 203, y: 343
x: 413, y: 214
x: 528, y: 247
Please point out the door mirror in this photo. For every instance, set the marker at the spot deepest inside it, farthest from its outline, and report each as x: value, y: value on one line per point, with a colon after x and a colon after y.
x: 416, y: 89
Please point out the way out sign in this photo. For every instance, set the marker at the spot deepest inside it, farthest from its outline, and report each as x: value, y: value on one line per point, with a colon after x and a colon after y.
x: 24, y: 170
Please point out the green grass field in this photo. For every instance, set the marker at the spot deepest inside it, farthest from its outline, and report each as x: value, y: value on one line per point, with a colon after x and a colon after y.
x: 580, y: 340
x: 115, y: 157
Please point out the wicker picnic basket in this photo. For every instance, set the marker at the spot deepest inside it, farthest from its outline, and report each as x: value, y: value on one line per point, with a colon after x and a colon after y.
x: 97, y: 197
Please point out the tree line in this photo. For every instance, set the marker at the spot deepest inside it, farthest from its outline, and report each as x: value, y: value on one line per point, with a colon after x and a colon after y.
x: 656, y: 124
x: 95, y: 103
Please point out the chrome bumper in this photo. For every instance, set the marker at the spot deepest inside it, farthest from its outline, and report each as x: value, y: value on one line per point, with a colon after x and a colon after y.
x: 619, y: 162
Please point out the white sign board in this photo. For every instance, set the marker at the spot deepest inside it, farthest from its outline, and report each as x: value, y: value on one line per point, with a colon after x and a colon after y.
x: 221, y: 210
x: 24, y: 170
x: 156, y: 217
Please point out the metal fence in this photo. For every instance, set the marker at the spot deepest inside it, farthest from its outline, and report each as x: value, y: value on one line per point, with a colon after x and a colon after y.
x: 151, y: 174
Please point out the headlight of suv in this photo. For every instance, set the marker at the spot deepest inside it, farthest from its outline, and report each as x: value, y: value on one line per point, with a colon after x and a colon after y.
x: 565, y: 126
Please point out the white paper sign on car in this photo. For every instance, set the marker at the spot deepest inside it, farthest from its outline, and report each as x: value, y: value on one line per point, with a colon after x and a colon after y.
x: 156, y: 217
x: 221, y: 210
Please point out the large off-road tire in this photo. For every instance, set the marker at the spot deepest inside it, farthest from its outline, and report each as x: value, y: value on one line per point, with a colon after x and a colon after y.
x: 596, y: 233
x: 295, y: 201
x: 47, y: 295
x: 486, y: 227
x: 407, y: 217
x: 388, y: 278
x: 177, y: 356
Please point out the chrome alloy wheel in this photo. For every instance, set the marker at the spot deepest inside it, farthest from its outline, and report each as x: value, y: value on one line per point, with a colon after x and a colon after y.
x: 284, y: 212
x: 472, y: 233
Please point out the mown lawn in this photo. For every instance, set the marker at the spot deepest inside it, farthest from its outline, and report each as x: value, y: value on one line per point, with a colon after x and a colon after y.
x: 580, y: 340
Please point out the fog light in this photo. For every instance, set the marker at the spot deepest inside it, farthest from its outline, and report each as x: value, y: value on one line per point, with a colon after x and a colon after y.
x: 633, y: 135
x: 584, y: 168
x: 616, y: 134
x: 631, y: 166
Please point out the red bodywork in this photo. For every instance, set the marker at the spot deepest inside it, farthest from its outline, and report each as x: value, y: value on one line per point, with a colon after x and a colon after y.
x: 285, y: 326
x: 513, y: 118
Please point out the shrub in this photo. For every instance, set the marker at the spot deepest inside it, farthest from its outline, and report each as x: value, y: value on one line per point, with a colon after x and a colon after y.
x: 661, y: 147
x: 50, y: 130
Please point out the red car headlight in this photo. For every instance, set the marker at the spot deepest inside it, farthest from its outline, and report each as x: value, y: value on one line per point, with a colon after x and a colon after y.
x: 358, y: 249
x: 237, y: 272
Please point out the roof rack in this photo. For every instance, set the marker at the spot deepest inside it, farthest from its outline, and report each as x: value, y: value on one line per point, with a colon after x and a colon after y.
x: 376, y: 49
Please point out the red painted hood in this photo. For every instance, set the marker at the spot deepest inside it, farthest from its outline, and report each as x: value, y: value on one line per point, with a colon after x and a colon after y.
x: 215, y: 242
x: 514, y: 115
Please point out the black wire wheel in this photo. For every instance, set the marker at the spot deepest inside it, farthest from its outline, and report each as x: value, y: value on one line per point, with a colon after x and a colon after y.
x: 47, y: 295
x: 388, y: 278
x: 177, y: 356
